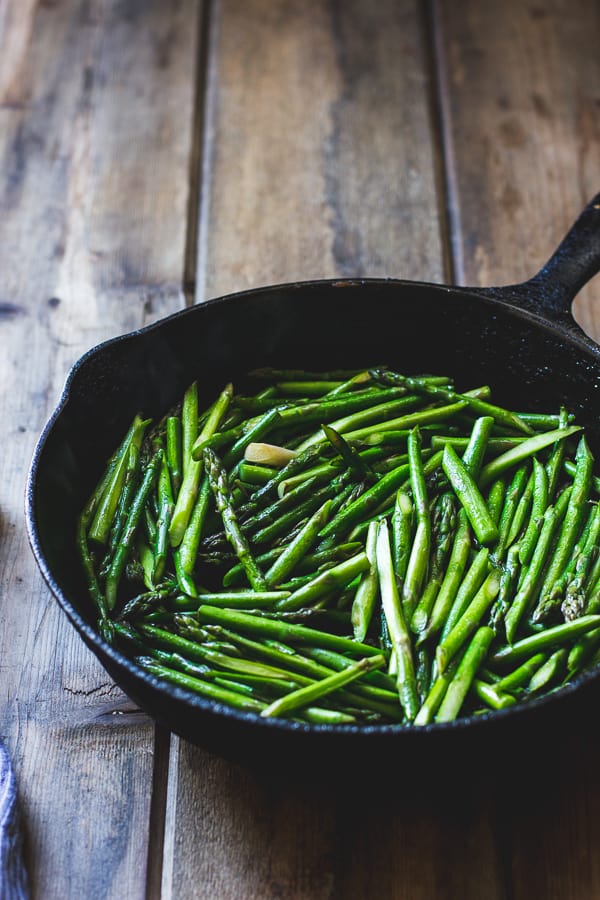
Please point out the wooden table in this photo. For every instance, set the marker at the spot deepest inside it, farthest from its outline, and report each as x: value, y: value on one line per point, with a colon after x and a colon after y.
x: 154, y: 154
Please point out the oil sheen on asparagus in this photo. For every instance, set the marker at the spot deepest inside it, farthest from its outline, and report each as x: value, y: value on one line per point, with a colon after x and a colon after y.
x: 349, y: 547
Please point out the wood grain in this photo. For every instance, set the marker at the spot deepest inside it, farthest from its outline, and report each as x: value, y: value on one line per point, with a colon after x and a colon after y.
x: 520, y: 86
x: 96, y: 103
x: 319, y: 156
x: 320, y: 161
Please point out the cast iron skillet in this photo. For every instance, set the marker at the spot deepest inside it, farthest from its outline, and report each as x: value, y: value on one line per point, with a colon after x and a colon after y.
x: 522, y: 340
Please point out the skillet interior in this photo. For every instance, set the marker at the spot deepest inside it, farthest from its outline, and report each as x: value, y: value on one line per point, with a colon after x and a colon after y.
x: 529, y: 362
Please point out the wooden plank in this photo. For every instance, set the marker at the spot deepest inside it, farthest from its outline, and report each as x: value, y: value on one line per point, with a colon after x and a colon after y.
x: 520, y: 91
x: 319, y: 162
x: 96, y: 104
x: 520, y: 102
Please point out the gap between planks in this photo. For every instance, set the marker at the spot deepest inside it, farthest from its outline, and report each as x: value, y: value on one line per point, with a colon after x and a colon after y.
x: 199, y: 177
x: 442, y: 148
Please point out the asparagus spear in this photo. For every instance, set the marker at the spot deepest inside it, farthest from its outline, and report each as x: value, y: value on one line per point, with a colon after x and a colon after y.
x: 349, y: 455
x: 367, y: 590
x: 133, y: 520
x: 130, y: 484
x: 571, y: 584
x: 362, y: 416
x: 555, y: 461
x: 402, y: 526
x: 516, y: 504
x: 522, y: 674
x: 444, y: 534
x: 570, y: 529
x: 498, y: 413
x: 337, y: 491
x: 273, y: 511
x: 327, y: 582
x: 412, y: 420
x: 470, y: 497
x: 304, y: 696
x: 394, y: 616
x: 370, y: 500
x: 452, y: 578
x: 296, y: 550
x: 542, y: 640
x: 263, y: 426
x: 490, y: 695
x: 105, y: 626
x: 418, y: 561
x: 309, y: 563
x: 189, y: 425
x: 193, y: 468
x: 465, y: 674
x: 200, y: 686
x: 106, y: 505
x: 495, y: 499
x: 435, y: 696
x: 527, y: 589
x: 188, y: 549
x: 477, y: 445
x: 282, y: 631
x: 471, y: 583
x: 525, y: 450
x: 469, y: 620
x: 166, y: 504
x: 174, y: 452
x: 550, y: 671
x: 541, y: 493
x: 217, y: 477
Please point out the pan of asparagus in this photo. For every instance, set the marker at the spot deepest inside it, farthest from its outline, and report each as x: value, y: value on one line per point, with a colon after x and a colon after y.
x: 332, y: 512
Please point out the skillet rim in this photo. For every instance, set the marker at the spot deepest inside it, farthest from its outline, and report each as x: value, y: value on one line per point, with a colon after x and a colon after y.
x: 517, y: 300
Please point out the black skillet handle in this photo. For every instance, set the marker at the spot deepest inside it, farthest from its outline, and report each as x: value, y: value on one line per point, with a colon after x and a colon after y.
x: 550, y: 293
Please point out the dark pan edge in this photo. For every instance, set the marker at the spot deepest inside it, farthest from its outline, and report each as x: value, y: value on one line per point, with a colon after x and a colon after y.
x: 103, y: 650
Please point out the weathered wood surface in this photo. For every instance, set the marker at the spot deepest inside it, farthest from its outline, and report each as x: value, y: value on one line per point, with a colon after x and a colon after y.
x: 96, y: 103
x: 320, y: 158
x: 148, y: 146
x: 520, y: 102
